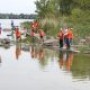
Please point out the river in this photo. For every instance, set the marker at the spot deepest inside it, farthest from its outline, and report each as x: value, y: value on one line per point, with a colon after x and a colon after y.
x: 6, y: 23
x: 26, y: 67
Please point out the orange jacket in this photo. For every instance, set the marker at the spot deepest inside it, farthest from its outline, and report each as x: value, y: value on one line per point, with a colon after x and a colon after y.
x: 69, y: 34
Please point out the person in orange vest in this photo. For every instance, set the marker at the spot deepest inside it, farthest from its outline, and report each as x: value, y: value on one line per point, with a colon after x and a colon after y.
x: 71, y: 35
x: 18, y: 50
x: 41, y: 34
x: 41, y: 54
x: 35, y: 25
x: 18, y: 33
x: 60, y: 37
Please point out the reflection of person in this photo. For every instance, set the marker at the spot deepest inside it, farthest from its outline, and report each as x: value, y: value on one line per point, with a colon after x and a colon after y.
x: 65, y: 60
x: 69, y: 60
x: 32, y: 52
x: 18, y: 34
x: 41, y: 54
x: 18, y: 50
x: 37, y: 52
x: 41, y: 57
x: 60, y: 37
x: 0, y: 28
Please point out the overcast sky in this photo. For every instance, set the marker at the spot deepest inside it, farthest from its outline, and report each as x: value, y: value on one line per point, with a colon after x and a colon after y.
x: 17, y: 6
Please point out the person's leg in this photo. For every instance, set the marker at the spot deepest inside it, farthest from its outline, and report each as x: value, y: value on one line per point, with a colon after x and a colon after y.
x: 68, y: 43
x: 61, y: 43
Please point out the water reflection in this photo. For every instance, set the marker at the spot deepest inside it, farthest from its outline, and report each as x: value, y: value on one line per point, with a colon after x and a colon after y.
x: 78, y: 65
x: 41, y: 57
x: 65, y: 60
x: 39, y: 53
x: 18, y: 50
x: 0, y: 60
x: 81, y: 67
x: 33, y: 52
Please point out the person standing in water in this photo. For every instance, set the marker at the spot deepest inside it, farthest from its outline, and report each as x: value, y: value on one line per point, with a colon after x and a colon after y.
x: 35, y: 26
x: 12, y: 26
x: 60, y: 37
x: 18, y: 34
x: 42, y: 35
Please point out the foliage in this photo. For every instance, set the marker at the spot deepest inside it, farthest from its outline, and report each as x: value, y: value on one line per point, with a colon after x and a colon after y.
x: 73, y: 13
x: 26, y: 25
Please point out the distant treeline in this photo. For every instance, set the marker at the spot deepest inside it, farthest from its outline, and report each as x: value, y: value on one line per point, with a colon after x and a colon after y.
x: 16, y: 16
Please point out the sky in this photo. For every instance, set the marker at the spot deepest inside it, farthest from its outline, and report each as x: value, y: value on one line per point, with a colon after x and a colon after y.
x: 17, y: 6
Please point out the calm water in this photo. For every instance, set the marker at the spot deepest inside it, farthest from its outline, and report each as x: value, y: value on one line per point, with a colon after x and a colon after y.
x: 25, y: 67
x: 6, y: 23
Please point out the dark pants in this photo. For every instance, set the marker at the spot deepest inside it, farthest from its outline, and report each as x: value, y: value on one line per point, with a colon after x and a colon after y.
x: 61, y: 43
x: 67, y: 42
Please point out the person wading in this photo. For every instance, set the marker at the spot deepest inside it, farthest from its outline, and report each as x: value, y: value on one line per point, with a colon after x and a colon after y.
x: 18, y: 34
x: 60, y: 37
x: 41, y: 34
x: 35, y: 26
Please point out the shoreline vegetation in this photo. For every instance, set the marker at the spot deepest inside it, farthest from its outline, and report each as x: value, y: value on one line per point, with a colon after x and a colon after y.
x: 17, y: 16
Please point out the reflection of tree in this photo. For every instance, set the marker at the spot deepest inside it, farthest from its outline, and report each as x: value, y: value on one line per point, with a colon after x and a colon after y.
x: 41, y: 57
x: 18, y: 50
x: 65, y: 60
x: 81, y: 67
x: 39, y: 54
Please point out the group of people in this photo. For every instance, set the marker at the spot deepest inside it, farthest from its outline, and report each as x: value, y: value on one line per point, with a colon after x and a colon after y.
x: 65, y: 36
x: 35, y: 29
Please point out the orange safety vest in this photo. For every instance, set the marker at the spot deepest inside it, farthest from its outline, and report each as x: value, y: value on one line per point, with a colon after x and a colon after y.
x: 18, y: 33
x: 70, y: 34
